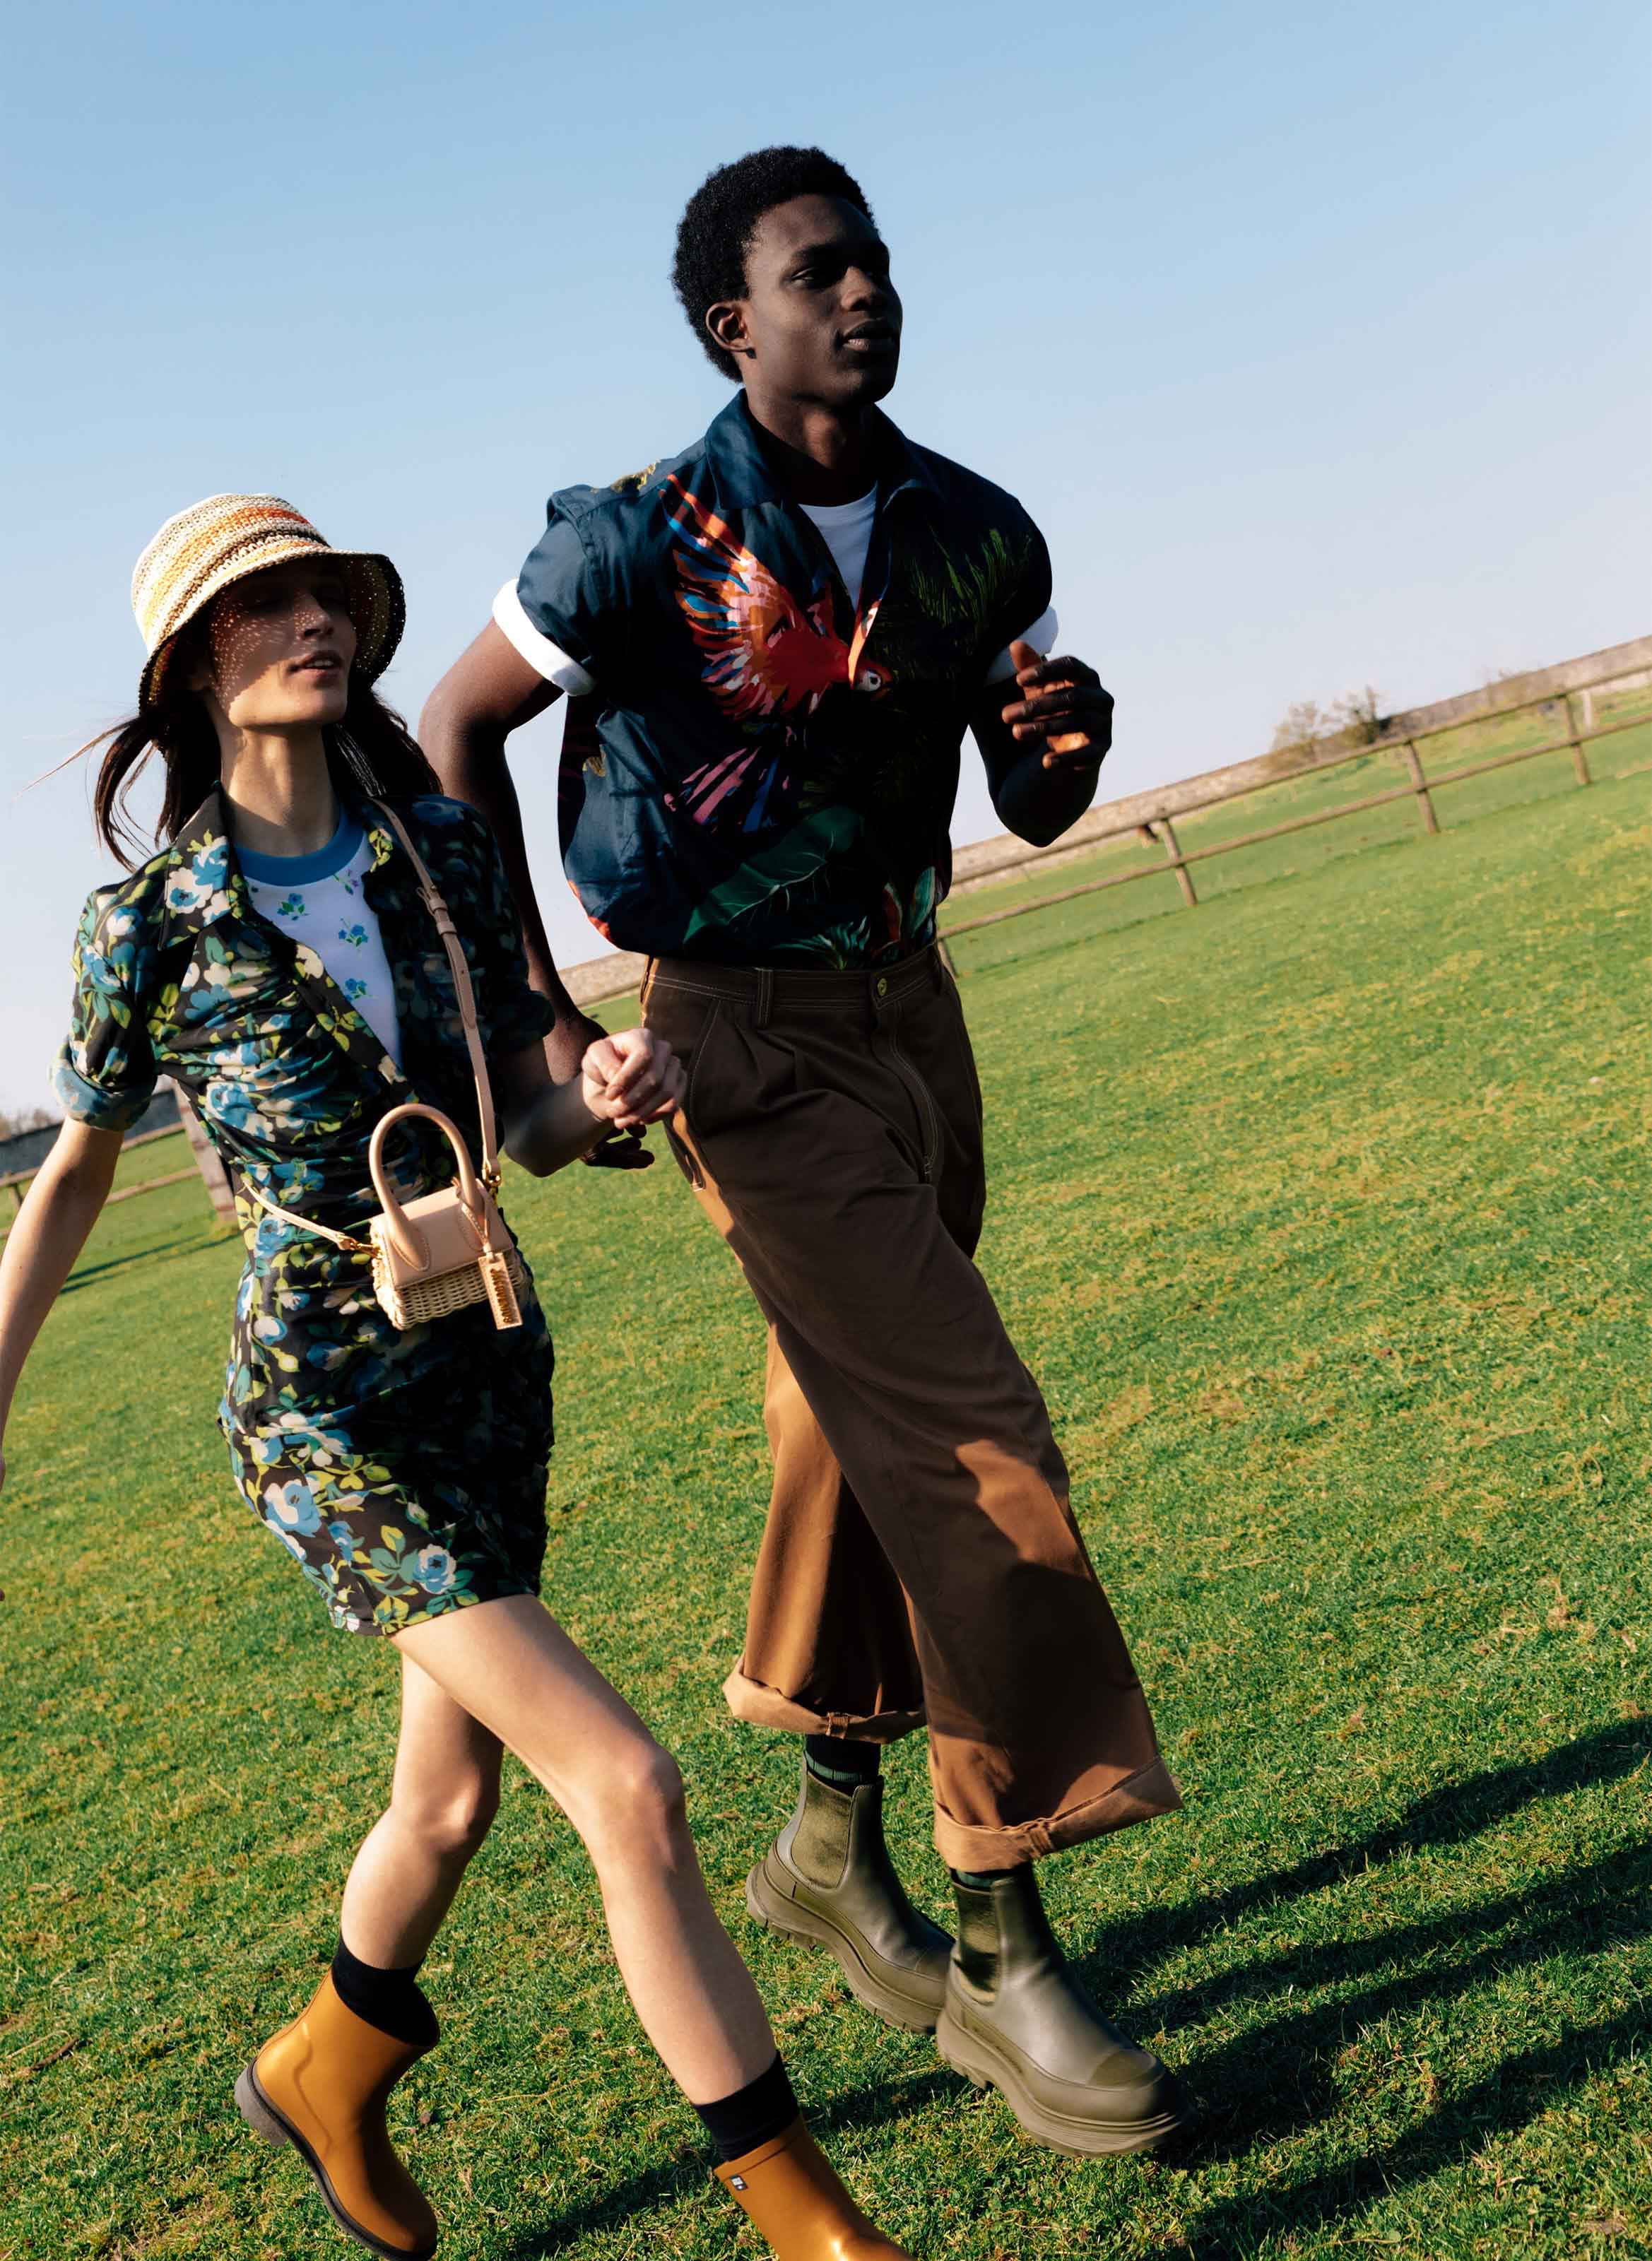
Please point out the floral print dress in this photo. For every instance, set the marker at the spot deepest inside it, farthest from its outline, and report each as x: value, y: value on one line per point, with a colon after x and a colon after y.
x: 404, y: 1471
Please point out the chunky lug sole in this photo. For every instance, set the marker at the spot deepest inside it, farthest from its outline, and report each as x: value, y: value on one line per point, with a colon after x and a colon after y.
x: 262, y: 2118
x: 770, y: 1907
x: 979, y: 2062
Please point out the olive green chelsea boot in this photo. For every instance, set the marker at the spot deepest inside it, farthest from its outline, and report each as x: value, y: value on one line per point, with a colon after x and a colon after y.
x: 1015, y: 2018
x: 828, y: 1878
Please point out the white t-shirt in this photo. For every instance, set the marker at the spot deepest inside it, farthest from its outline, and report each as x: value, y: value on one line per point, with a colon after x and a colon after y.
x: 846, y: 529
x: 318, y: 900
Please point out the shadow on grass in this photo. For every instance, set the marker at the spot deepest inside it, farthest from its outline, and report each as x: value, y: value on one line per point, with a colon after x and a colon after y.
x: 1445, y: 1816
x: 1516, y: 2091
x: 861, y: 2107
x: 1281, y: 2078
x: 162, y: 1252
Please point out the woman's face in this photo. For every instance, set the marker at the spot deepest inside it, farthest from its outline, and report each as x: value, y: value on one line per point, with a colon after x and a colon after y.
x: 278, y: 648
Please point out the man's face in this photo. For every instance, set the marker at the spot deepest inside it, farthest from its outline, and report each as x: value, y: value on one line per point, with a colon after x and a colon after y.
x: 821, y: 320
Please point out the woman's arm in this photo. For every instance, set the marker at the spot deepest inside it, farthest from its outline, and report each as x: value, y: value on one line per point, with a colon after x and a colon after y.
x: 624, y: 1081
x: 60, y: 1210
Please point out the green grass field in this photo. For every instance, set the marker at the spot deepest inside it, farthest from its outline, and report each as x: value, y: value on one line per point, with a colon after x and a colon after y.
x: 1464, y: 801
x: 1316, y: 1210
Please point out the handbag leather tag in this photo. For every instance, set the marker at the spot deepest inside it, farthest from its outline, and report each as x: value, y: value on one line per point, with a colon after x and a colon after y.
x: 501, y: 1295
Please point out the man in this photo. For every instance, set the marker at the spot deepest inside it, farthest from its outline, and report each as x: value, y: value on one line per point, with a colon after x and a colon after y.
x: 774, y: 643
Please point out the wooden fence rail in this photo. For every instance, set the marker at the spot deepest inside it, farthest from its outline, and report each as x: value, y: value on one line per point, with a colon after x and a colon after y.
x: 1421, y: 786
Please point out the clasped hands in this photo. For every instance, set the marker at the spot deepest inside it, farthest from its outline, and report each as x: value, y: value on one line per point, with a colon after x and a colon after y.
x: 628, y: 1080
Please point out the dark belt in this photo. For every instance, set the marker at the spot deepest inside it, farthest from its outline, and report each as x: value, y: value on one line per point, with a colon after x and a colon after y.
x: 861, y: 991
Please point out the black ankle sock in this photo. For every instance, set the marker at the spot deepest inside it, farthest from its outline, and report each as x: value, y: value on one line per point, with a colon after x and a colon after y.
x: 763, y: 2108
x: 837, y: 1760
x: 392, y: 2000
x: 977, y: 1880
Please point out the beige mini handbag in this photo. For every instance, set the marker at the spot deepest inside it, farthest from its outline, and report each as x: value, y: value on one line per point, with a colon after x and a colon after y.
x: 443, y: 1251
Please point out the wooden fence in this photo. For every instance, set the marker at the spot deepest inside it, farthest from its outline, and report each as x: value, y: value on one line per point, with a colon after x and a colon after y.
x: 1419, y: 787
x: 203, y: 1163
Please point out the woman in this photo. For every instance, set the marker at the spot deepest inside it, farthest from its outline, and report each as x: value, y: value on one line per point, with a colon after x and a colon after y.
x: 278, y: 960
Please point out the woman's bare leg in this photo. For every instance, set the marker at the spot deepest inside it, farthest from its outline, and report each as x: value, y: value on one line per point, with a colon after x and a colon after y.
x: 510, y: 1665
x: 444, y: 1797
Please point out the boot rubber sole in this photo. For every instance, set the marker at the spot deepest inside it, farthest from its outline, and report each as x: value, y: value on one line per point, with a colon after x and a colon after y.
x: 262, y: 2118
x: 871, y: 1989
x: 1077, y: 2139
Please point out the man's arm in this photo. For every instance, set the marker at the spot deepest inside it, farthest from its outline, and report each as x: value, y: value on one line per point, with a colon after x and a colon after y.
x: 489, y: 692
x: 1042, y: 738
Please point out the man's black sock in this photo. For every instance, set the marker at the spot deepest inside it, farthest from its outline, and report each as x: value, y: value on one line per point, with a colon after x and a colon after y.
x: 977, y: 1880
x: 392, y: 2000
x: 763, y: 2109
x: 843, y: 1763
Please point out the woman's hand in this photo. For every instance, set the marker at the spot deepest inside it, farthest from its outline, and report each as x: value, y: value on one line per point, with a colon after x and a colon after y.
x: 631, y: 1079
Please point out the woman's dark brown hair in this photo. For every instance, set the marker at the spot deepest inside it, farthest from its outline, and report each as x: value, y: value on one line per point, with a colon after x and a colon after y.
x: 370, y: 750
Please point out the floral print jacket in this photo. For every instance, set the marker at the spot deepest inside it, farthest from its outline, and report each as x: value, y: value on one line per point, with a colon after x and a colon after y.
x: 327, y: 1407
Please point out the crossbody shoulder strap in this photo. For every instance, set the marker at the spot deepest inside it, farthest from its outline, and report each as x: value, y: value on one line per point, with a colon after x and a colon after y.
x: 466, y: 996
x: 463, y: 990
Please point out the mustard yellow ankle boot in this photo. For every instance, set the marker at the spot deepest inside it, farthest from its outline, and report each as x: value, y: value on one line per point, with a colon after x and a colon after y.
x: 789, y: 2188
x: 320, y: 2085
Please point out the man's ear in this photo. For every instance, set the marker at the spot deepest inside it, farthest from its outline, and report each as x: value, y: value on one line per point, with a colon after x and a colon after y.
x: 727, y: 323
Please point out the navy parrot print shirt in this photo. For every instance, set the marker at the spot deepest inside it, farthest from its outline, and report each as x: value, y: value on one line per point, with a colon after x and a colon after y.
x: 765, y: 773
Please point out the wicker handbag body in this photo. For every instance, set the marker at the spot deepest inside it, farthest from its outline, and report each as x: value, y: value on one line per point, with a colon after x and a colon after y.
x: 443, y: 1251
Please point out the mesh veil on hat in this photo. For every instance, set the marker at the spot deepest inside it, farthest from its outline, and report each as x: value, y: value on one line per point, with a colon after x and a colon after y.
x: 222, y: 540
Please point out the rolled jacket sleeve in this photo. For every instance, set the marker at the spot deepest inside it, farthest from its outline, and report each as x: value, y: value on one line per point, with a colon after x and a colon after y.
x: 1023, y: 597
x: 562, y: 596
x: 105, y: 1072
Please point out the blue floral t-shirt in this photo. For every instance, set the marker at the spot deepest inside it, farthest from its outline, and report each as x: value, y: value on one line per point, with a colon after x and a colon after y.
x: 321, y: 899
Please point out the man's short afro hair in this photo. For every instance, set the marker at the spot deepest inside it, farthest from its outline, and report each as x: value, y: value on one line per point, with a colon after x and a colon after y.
x: 720, y: 218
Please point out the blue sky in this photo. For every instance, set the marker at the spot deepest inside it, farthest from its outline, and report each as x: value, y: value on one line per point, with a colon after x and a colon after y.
x: 1317, y: 338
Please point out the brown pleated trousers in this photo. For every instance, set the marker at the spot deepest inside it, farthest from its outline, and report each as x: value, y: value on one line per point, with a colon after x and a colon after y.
x: 920, y: 1567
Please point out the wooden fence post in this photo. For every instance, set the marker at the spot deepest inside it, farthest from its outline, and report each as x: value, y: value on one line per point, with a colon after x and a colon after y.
x: 1173, y: 852
x: 1580, y: 760
x: 207, y: 1161
x: 1419, y: 785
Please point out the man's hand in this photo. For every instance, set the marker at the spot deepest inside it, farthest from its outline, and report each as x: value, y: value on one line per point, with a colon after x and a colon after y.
x: 1062, y: 709
x: 565, y: 1050
x: 632, y: 1079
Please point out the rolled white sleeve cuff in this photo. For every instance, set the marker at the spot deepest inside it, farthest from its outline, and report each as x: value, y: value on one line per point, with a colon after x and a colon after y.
x: 1041, y: 636
x: 546, y: 659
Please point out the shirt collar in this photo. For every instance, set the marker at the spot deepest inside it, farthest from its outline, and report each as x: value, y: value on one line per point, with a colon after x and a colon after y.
x: 735, y: 455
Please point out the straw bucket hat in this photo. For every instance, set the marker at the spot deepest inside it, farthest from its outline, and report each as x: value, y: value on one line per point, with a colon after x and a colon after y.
x: 222, y: 540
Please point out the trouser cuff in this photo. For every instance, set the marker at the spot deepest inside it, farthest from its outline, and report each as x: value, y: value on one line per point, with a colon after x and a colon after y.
x: 766, y: 1707
x: 1140, y: 1797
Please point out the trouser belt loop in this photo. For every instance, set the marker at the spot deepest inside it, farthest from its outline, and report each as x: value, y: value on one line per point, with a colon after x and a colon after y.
x: 764, y: 1003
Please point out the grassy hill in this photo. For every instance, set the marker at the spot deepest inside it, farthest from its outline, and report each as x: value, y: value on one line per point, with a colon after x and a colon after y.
x: 1318, y: 1211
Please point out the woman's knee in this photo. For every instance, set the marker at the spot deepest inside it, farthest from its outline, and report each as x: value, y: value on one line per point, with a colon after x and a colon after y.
x: 453, y: 1818
x: 636, y: 1805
